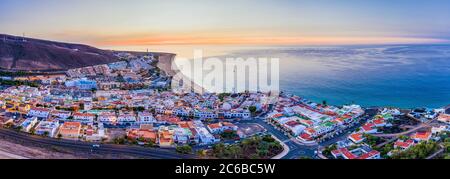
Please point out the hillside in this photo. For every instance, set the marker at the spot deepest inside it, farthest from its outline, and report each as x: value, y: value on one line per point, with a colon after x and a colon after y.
x: 17, y: 53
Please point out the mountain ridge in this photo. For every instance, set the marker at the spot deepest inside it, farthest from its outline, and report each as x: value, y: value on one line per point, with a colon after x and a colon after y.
x: 26, y: 54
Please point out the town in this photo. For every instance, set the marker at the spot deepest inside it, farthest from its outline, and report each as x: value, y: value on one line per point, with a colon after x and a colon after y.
x: 130, y: 102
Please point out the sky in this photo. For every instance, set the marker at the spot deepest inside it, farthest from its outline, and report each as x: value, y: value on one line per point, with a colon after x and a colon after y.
x: 106, y: 23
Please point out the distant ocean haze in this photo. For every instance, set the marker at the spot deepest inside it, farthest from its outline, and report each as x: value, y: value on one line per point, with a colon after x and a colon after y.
x: 405, y: 76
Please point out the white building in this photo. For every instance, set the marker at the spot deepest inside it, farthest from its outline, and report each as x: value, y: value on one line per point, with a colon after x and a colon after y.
x: 146, y: 118
x: 39, y: 112
x: 28, y: 124
x: 61, y: 114
x: 84, y: 118
x: 107, y: 117
x: 47, y: 127
x: 126, y: 119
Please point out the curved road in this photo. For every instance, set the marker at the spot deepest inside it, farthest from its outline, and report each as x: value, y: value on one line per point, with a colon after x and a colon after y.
x: 152, y: 153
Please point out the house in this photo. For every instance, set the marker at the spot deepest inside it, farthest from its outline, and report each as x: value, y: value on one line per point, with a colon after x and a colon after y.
x: 445, y: 118
x: 24, y: 108
x: 358, y: 153
x: 165, y: 136
x: 126, y: 118
x: 373, y: 154
x: 4, y: 121
x: 49, y: 128
x: 344, y: 153
x: 205, y: 138
x: 306, y: 123
x: 107, y: 117
x: 146, y: 118
x: 39, y: 112
x: 70, y: 130
x: 181, y: 135
x: 61, y: 114
x: 380, y: 122
x: 229, y: 126
x: 28, y: 124
x: 356, y: 138
x: 369, y: 128
x: 440, y: 129
x: 295, y: 127
x: 215, y: 128
x: 82, y: 83
x: 403, y: 145
x: 305, y: 137
x: 421, y: 136
x: 149, y: 135
x: 84, y: 118
x: 93, y: 133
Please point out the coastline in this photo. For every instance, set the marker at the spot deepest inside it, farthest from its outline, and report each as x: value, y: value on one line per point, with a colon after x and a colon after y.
x: 166, y: 63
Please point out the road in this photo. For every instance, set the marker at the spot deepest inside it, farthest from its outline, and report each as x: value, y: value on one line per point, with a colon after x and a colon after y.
x: 152, y: 153
x: 295, y: 149
x: 421, y: 126
x: 440, y: 151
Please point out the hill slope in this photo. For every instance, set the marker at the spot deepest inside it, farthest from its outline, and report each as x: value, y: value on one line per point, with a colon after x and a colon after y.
x: 17, y: 53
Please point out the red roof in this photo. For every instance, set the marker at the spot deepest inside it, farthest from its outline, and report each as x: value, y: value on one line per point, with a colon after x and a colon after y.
x: 292, y: 123
x: 347, y: 154
x: 379, y: 121
x: 422, y: 135
x: 305, y: 136
x: 369, y: 154
x: 356, y: 137
x: 310, y: 131
x: 404, y: 144
x: 277, y: 115
x: 368, y: 126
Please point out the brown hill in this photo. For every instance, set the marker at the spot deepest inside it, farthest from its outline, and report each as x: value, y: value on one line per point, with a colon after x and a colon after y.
x: 17, y: 53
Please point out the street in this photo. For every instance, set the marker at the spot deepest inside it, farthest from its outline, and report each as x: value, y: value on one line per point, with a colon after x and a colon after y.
x: 152, y: 153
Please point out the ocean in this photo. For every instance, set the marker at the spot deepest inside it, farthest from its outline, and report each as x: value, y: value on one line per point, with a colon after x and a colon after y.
x: 404, y: 76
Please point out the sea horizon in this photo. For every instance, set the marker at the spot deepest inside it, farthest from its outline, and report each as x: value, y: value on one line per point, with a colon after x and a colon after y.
x: 401, y: 75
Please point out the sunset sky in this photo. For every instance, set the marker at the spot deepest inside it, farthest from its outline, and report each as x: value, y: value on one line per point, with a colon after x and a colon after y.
x: 178, y: 22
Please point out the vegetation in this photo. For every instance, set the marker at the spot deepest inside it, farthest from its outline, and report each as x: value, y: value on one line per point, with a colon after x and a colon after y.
x: 324, y: 103
x: 328, y: 149
x: 185, y: 149
x: 18, y: 83
x: 373, y: 140
x: 229, y: 134
x: 119, y: 140
x: 12, y: 74
x: 419, y: 151
x: 223, y: 95
x: 385, y: 150
x: 252, y: 109
x: 446, y: 144
x: 258, y: 147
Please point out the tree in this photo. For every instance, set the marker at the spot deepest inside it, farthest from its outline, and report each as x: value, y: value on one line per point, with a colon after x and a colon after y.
x: 235, y: 151
x: 119, y: 140
x: 185, y: 149
x: 229, y: 134
x: 219, y: 150
x: 252, y: 109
